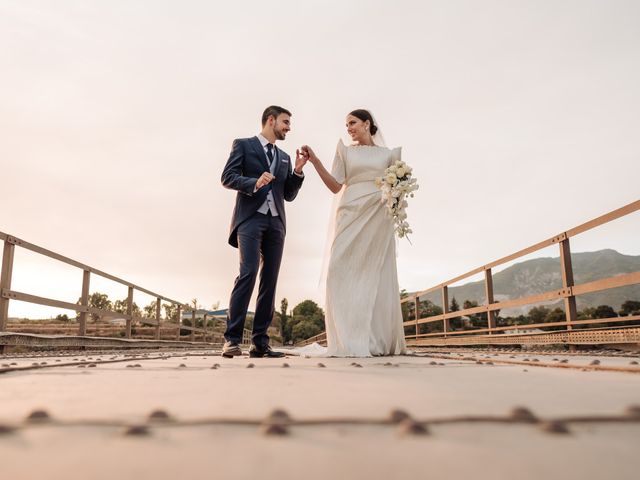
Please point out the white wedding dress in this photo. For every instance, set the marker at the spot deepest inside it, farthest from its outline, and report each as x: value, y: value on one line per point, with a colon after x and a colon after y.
x: 362, y: 299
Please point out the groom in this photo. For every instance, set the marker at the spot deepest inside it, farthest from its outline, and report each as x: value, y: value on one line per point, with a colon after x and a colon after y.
x: 262, y: 175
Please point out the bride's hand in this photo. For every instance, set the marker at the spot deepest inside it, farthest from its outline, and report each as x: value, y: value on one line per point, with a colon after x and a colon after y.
x: 309, y: 154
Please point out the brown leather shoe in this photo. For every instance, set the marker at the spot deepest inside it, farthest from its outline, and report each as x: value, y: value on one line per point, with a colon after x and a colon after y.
x: 231, y: 349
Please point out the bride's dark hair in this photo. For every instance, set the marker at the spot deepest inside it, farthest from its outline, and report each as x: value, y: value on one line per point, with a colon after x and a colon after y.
x: 364, y: 115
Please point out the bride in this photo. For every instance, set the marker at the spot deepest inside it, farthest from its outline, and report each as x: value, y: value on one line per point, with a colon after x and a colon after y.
x: 362, y: 300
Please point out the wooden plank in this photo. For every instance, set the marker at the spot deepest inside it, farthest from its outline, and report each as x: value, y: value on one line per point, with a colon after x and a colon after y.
x: 607, y: 217
x: 129, y: 312
x: 84, y: 301
x: 25, y: 297
x: 571, y: 312
x: 607, y: 283
x: 179, y: 321
x: 435, y: 318
x: 158, y: 317
x: 539, y: 325
x: 488, y: 290
x: 573, y: 337
x: 445, y: 309
x: 6, y: 273
x: 193, y: 325
x: 27, y: 339
x: 541, y: 297
x: 417, y: 313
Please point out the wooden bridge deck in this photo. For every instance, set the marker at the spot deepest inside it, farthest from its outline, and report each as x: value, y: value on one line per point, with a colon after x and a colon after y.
x: 335, y: 421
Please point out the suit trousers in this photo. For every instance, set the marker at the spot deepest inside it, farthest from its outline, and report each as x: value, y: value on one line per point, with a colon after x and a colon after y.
x: 260, y: 241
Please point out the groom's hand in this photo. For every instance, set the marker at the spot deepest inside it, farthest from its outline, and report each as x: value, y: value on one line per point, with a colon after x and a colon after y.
x: 301, y: 161
x: 265, y: 179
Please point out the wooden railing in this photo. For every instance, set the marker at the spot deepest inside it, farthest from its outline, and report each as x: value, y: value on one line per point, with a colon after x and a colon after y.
x: 321, y: 338
x: 83, y: 307
x: 567, y: 293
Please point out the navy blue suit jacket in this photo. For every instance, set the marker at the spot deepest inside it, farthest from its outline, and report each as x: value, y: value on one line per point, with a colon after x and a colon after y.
x: 246, y: 163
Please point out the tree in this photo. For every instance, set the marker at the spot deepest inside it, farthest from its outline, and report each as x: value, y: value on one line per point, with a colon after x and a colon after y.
x: 538, y: 314
x: 307, y: 317
x: 586, y: 313
x: 170, y: 312
x: 476, y: 319
x: 630, y: 307
x: 304, y: 329
x: 100, y: 301
x: 284, y: 304
x: 405, y: 306
x: 307, y: 308
x: 456, y: 322
x: 150, y: 310
x: 454, y: 307
x: 62, y: 318
x: 604, y: 311
x: 120, y: 306
x: 429, y: 309
x: 555, y: 315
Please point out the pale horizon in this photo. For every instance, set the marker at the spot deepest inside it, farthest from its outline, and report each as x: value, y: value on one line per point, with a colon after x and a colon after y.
x: 520, y: 120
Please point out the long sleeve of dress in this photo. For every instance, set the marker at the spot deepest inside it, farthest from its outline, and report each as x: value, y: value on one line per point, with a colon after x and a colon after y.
x: 339, y: 169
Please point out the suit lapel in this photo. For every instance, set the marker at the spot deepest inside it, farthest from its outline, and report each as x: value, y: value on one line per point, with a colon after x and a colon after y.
x: 281, y: 156
x: 257, y: 146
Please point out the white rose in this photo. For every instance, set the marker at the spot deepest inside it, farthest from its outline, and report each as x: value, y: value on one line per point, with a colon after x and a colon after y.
x: 391, y: 178
x: 401, y: 172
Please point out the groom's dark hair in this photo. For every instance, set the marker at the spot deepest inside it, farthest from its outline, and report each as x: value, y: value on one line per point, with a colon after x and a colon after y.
x: 273, y: 110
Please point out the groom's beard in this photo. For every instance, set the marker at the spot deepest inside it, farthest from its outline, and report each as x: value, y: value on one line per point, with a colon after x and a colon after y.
x: 280, y: 134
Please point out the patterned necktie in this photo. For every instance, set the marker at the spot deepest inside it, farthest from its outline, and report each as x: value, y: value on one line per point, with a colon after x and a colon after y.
x: 270, y: 153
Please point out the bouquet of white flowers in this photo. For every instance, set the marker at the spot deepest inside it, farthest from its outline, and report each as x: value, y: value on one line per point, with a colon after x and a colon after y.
x: 396, y: 185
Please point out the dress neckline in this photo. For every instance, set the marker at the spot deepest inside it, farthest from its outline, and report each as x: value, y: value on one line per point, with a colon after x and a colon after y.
x: 369, y: 146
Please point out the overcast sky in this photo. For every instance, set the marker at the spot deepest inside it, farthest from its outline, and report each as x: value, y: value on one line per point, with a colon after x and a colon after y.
x: 520, y: 118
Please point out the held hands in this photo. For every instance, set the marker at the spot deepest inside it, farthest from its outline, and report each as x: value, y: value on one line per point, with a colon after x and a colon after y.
x: 309, y: 154
x: 301, y: 161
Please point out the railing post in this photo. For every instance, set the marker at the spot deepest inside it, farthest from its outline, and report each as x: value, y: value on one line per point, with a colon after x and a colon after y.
x: 204, y: 325
x: 158, y: 313
x: 417, y: 315
x: 488, y: 285
x: 567, y: 281
x: 445, y: 309
x: 5, y: 283
x: 84, y: 301
x: 193, y: 325
x: 179, y: 320
x: 129, y: 312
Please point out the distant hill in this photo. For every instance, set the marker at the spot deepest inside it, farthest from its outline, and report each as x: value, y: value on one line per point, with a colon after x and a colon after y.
x: 543, y: 274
